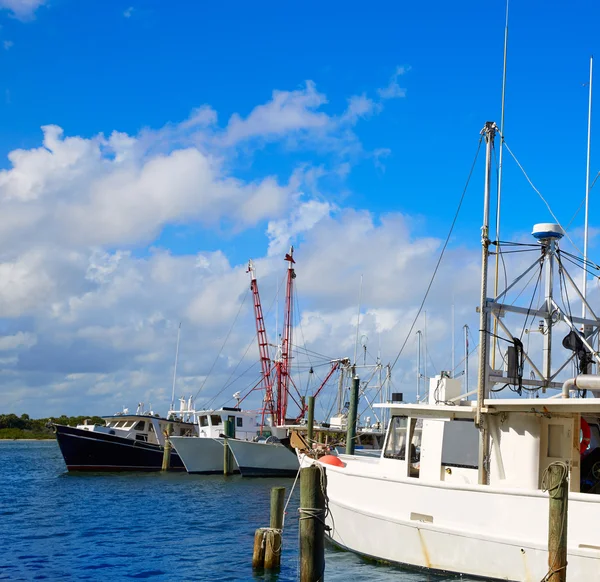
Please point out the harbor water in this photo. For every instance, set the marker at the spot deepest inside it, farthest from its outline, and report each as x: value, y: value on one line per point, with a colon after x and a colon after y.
x: 174, y: 526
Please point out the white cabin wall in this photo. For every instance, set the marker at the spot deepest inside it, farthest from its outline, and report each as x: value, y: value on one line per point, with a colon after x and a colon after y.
x: 431, y: 449
x: 515, y: 454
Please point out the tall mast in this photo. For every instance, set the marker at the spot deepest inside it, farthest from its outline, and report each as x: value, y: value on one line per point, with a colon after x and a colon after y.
x: 283, y: 366
x: 263, y: 345
x: 419, y: 334
x: 175, y: 367
x: 496, y: 278
x: 466, y: 330
x: 489, y: 132
x: 587, y: 194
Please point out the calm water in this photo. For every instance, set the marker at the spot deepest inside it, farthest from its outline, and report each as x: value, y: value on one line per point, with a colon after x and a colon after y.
x: 59, y: 526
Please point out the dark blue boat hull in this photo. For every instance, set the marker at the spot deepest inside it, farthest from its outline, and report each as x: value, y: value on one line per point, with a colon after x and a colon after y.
x: 92, y: 451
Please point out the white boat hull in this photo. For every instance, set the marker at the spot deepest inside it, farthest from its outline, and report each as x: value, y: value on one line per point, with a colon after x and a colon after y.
x: 200, y: 454
x: 264, y: 459
x: 473, y: 530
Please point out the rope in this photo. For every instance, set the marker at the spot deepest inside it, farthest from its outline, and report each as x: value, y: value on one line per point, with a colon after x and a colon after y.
x: 408, y: 335
x: 542, y: 198
x: 291, y: 492
x: 223, y: 346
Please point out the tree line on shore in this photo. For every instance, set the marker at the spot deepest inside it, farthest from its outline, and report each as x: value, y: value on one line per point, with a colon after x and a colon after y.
x: 24, y: 427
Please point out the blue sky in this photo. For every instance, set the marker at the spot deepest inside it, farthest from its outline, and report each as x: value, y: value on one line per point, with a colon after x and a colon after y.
x: 382, y: 108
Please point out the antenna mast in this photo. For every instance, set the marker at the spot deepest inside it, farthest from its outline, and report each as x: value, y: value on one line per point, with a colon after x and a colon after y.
x: 283, y: 365
x: 263, y: 345
x: 500, y: 187
x: 175, y: 367
x: 587, y: 194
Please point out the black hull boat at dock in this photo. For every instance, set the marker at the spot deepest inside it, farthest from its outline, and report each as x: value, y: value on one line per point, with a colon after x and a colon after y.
x: 92, y: 451
x: 126, y: 442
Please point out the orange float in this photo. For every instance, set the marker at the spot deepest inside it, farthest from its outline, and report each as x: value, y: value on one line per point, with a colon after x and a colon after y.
x: 332, y: 460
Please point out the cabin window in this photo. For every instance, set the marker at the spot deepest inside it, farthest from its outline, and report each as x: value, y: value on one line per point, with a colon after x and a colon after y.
x: 215, y: 420
x: 395, y: 447
x: 150, y: 427
x: 141, y: 437
x: 239, y: 420
x: 460, y: 447
x: 141, y: 425
x: 204, y: 420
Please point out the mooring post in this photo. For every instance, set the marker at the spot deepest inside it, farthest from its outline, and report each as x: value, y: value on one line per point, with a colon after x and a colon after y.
x: 557, y: 485
x: 312, y: 525
x: 352, y: 416
x: 258, y: 555
x: 227, y: 461
x: 310, y: 421
x: 267, y: 540
x: 273, y: 542
x: 166, y: 462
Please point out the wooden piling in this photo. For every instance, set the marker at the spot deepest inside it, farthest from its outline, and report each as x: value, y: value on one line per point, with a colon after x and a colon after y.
x: 557, y: 484
x: 166, y: 462
x: 311, y: 420
x: 258, y: 555
x: 227, y: 457
x: 352, y: 416
x: 312, y: 526
x: 267, y: 540
x: 277, y: 503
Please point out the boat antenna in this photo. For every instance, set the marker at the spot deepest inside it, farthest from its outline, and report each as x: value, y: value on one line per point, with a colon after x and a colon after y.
x: 587, y: 195
x: 419, y: 334
x: 358, y: 319
x: 453, y: 339
x: 175, y: 367
x: 499, y: 195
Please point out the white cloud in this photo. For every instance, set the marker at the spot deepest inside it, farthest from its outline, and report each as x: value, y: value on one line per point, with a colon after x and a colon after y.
x: 22, y: 9
x: 287, y: 111
x: 101, y: 191
x: 19, y: 340
x: 8, y: 44
x: 393, y: 90
x: 128, y: 12
x: 90, y: 312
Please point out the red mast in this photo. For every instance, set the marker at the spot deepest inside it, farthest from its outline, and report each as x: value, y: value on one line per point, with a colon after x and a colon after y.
x: 263, y: 346
x: 283, y: 362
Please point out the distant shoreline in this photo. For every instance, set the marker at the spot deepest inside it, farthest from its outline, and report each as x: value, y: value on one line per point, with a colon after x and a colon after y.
x: 32, y: 440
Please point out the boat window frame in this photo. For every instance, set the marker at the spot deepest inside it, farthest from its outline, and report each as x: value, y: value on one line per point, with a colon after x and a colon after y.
x: 216, y: 416
x: 392, y: 433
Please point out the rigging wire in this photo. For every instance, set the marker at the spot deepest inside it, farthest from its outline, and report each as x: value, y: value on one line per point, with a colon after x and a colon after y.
x: 540, y: 195
x: 409, y: 334
x: 223, y: 346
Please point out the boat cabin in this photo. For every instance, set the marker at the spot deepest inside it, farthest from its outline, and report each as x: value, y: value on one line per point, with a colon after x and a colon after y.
x: 145, y: 428
x: 211, y: 422
x: 439, y: 441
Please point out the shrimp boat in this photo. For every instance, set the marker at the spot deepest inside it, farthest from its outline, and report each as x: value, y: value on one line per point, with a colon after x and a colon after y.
x: 126, y: 442
x: 461, y: 485
x: 203, y: 452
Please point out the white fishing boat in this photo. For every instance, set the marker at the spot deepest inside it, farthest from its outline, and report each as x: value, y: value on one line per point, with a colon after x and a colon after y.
x: 461, y: 485
x: 204, y: 453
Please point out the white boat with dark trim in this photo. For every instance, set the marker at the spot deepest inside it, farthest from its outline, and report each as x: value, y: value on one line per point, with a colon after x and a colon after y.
x: 127, y: 442
x: 462, y: 486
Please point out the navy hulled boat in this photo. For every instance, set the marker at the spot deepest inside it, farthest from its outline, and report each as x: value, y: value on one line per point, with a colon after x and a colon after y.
x: 127, y: 442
